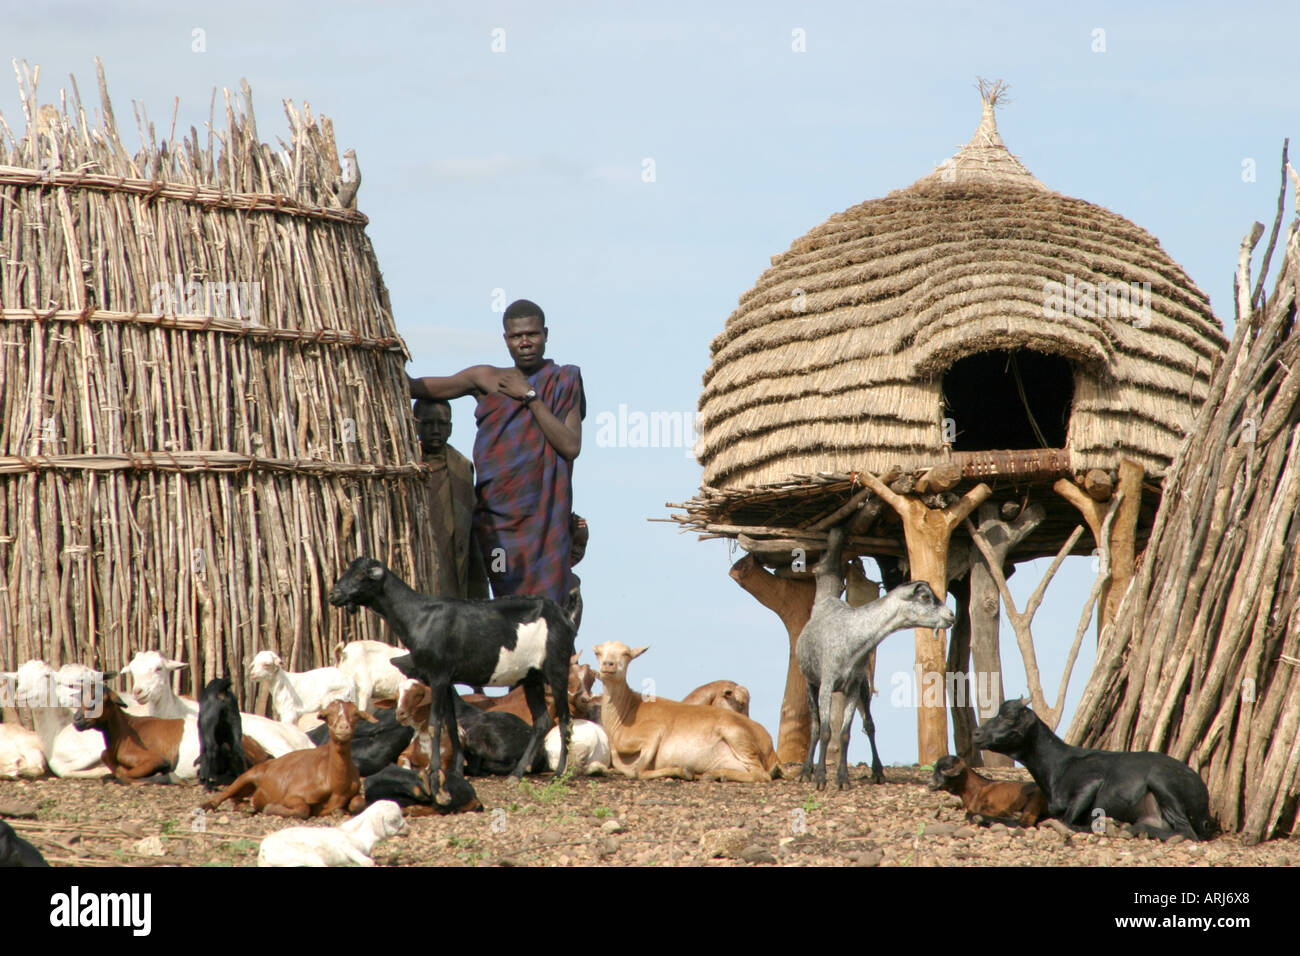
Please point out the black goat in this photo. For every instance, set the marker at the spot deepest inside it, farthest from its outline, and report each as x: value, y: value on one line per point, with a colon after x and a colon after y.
x: 222, y: 755
x: 374, y: 746
x: 1158, y: 794
x: 495, y: 741
x: 406, y: 788
x: 497, y: 643
x: 15, y: 851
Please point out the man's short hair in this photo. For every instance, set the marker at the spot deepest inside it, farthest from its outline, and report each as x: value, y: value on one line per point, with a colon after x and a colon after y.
x: 523, y: 309
x: 427, y: 404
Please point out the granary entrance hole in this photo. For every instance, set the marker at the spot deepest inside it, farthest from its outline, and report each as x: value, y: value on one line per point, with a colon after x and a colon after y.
x: 1005, y: 400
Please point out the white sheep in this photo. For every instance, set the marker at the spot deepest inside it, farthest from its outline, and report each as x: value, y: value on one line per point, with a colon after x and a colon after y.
x: 350, y: 842
x: 150, y: 674
x: 367, y: 663
x: 588, y: 748
x: 295, y: 693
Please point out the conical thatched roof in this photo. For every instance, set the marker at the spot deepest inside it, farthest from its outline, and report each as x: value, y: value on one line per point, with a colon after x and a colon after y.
x: 834, y: 361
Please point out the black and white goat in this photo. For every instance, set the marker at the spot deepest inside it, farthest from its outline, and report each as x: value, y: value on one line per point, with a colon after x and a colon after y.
x: 498, y: 643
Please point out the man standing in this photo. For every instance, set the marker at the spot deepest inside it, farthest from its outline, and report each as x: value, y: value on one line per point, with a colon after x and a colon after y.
x: 529, y: 432
x: 460, y: 562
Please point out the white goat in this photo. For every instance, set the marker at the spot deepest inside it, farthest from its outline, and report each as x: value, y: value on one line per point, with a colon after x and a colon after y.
x: 350, y: 842
x: 51, y: 696
x: 20, y: 753
x: 295, y: 693
x: 20, y: 749
x: 367, y: 663
x: 150, y: 674
x: 588, y: 748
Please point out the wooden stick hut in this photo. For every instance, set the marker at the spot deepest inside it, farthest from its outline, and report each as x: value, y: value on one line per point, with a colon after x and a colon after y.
x: 203, y: 413
x: 1203, y: 658
x: 974, y: 341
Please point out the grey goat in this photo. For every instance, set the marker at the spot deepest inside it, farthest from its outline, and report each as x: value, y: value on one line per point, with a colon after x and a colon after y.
x: 833, y: 646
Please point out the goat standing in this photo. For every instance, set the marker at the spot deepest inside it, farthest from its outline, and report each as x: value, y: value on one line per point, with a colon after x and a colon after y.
x: 498, y: 643
x: 832, y: 650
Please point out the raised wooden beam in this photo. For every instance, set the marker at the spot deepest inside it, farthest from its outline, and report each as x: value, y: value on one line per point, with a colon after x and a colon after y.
x: 1001, y: 538
x: 938, y: 479
x: 928, y: 531
x: 791, y: 601
x: 1098, y: 485
x: 1123, y: 541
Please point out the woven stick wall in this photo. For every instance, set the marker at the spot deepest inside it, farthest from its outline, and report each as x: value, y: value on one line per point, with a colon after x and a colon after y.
x: 1203, y: 658
x: 203, y: 413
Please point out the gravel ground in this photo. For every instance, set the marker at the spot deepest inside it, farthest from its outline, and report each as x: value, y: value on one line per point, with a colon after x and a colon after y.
x: 610, y: 822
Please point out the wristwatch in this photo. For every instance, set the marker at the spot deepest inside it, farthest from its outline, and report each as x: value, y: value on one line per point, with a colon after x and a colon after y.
x: 529, y: 396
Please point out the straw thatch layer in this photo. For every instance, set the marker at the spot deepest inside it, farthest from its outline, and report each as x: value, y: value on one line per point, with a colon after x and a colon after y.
x: 834, y: 361
x: 203, y: 413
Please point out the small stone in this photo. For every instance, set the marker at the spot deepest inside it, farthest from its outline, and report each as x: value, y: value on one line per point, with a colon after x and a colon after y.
x: 768, y: 809
x: 998, y: 828
x: 963, y: 833
x: 1176, y: 839
x: 613, y: 826
x: 727, y: 841
x: 507, y: 861
x: 940, y: 830
x: 756, y: 854
x: 607, y: 847
x: 868, y: 858
x: 550, y: 836
x: 150, y: 846
x: 1016, y: 832
x: 784, y: 841
x: 18, y: 810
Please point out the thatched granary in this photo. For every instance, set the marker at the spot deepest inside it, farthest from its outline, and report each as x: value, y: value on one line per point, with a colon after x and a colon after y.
x: 975, y: 320
x: 203, y: 414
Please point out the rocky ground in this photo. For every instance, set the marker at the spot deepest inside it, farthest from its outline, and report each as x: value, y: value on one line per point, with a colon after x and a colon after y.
x: 595, y: 821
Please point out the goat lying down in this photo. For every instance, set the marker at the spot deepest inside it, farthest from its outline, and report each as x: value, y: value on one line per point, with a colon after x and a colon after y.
x: 1017, y: 804
x: 660, y: 738
x: 1161, y: 796
x: 351, y: 842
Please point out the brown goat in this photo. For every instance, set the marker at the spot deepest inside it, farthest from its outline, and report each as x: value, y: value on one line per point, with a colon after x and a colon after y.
x: 306, y: 783
x: 137, y: 748
x: 581, y: 680
x: 721, y: 693
x: 1023, y: 804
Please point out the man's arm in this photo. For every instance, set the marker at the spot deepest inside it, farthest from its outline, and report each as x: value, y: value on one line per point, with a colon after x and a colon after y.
x: 475, y: 380
x: 565, y: 436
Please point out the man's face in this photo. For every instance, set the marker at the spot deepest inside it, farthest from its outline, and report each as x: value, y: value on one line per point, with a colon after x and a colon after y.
x: 433, y: 425
x: 526, y: 339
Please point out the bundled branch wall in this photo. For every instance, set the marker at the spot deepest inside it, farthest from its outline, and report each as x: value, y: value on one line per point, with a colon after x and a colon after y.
x: 203, y: 412
x: 1203, y: 658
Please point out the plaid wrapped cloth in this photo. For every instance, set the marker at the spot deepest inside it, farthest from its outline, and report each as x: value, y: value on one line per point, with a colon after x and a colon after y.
x: 525, y: 488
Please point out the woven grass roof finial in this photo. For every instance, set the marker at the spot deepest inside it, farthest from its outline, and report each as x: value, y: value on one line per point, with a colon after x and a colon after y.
x: 985, y: 159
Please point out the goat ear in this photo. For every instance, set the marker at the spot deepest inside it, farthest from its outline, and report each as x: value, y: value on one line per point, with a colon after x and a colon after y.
x: 375, y: 573
x: 637, y: 652
x: 175, y: 665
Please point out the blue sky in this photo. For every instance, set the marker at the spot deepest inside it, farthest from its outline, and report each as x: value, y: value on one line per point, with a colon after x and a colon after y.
x: 522, y: 171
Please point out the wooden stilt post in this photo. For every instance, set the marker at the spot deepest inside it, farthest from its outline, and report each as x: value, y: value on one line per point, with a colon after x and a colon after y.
x: 1123, y: 539
x: 985, y: 603
x: 928, y: 531
x: 792, y: 601
x: 1123, y: 534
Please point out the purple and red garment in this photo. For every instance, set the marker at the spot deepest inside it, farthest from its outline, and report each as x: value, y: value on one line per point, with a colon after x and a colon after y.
x: 525, y: 488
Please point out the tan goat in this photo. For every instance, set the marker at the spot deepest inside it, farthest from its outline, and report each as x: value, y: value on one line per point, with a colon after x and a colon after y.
x: 721, y: 693
x: 661, y: 738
